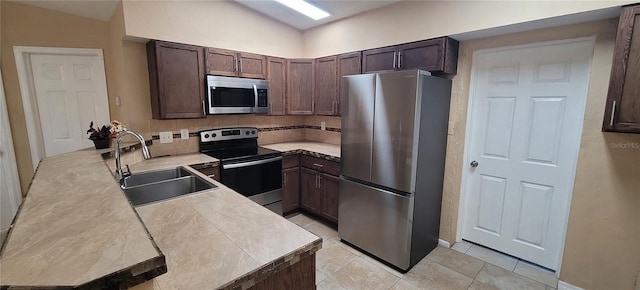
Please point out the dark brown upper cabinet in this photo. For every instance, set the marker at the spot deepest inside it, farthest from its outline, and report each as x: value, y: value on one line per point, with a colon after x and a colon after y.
x: 622, y: 111
x: 222, y: 62
x: 438, y: 55
x: 300, y: 86
x: 276, y: 74
x: 176, y: 79
x: 348, y: 64
x: 326, y: 94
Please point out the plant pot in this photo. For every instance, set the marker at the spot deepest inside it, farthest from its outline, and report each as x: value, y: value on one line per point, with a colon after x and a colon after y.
x: 102, y: 143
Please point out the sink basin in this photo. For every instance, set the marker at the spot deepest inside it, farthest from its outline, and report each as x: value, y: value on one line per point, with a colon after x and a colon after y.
x: 152, y: 186
x: 154, y: 176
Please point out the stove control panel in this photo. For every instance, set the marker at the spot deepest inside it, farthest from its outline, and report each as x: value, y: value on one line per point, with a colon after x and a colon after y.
x: 228, y: 134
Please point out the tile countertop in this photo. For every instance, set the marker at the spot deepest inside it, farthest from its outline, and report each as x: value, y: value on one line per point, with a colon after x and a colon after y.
x: 312, y: 147
x: 75, y: 227
x: 221, y: 239
x: 66, y: 235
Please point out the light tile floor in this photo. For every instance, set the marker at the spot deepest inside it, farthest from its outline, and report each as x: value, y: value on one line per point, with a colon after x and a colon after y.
x: 464, y: 266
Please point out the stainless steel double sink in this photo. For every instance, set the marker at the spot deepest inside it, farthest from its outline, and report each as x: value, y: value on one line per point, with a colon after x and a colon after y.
x: 152, y: 186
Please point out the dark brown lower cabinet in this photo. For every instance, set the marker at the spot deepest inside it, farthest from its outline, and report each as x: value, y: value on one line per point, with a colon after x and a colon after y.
x: 290, y: 189
x: 330, y: 191
x: 319, y: 194
x: 301, y: 275
x: 310, y: 198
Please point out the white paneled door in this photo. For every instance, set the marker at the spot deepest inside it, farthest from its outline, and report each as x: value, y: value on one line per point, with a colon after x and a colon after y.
x: 71, y: 92
x: 526, y: 108
x: 10, y: 196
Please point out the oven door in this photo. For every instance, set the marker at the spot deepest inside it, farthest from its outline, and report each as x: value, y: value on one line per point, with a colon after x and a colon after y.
x: 258, y: 179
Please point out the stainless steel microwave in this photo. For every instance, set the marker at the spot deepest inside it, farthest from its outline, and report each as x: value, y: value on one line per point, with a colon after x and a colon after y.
x: 227, y: 95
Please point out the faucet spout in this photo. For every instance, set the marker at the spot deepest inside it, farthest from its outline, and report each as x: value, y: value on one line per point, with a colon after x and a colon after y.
x: 121, y: 174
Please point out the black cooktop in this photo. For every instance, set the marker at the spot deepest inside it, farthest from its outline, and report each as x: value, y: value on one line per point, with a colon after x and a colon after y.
x: 233, y: 144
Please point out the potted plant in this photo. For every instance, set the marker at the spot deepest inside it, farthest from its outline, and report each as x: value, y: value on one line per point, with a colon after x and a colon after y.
x: 101, y: 137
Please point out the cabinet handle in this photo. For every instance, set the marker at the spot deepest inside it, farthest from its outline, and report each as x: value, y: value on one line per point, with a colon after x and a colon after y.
x: 394, y: 59
x: 319, y: 165
x: 316, y: 181
x: 204, y: 109
x: 235, y: 64
x: 240, y: 61
x: 613, y: 113
x: 400, y: 60
x: 284, y: 177
x: 211, y: 176
x: 319, y: 181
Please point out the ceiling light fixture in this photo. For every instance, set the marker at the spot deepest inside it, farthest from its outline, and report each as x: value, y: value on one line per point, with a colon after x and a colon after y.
x: 305, y: 8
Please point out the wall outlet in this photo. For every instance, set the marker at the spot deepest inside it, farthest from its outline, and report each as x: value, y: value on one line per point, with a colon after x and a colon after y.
x: 117, y: 100
x: 323, y: 126
x: 184, y: 133
x: 166, y: 137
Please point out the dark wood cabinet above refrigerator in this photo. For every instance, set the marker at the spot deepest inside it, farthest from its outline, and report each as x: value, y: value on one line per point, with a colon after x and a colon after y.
x: 438, y: 55
x: 622, y: 111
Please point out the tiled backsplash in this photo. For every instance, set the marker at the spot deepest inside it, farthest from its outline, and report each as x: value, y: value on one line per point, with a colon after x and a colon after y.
x: 271, y: 129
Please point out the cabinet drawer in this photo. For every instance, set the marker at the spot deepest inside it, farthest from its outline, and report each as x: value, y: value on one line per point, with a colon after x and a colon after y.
x: 291, y: 161
x: 321, y: 165
x: 212, y: 172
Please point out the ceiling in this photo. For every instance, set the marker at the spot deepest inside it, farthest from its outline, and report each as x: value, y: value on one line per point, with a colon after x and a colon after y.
x: 103, y: 9
x: 337, y: 8
x: 95, y: 9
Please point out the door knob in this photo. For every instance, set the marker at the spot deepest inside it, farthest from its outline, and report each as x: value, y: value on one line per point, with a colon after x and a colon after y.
x: 474, y: 163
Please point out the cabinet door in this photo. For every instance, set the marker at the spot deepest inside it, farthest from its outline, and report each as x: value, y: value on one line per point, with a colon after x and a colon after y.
x: 290, y: 189
x: 276, y: 74
x: 330, y: 190
x: 252, y: 65
x: 379, y: 59
x: 176, y: 79
x: 436, y: 55
x: 300, y: 86
x: 622, y: 113
x: 309, y: 195
x: 427, y: 55
x: 348, y: 64
x: 222, y: 62
x: 326, y: 97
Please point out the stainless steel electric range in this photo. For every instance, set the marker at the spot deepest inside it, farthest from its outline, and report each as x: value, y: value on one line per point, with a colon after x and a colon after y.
x: 245, y: 167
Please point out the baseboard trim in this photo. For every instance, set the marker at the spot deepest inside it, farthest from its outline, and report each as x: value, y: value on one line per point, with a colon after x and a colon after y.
x: 443, y: 243
x: 566, y: 286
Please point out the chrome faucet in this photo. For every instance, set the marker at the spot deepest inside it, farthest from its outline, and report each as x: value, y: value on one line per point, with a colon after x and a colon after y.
x: 120, y: 173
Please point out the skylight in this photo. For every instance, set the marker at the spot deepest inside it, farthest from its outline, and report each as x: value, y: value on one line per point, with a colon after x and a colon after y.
x: 305, y: 8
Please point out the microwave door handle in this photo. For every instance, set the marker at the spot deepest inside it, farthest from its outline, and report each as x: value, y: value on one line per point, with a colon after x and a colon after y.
x: 210, y: 97
x: 255, y: 94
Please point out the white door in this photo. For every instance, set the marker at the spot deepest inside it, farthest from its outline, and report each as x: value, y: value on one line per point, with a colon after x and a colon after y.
x: 527, y: 108
x: 70, y: 92
x: 10, y: 195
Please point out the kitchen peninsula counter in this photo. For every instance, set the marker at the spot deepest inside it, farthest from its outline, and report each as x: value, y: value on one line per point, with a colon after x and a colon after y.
x: 76, y: 228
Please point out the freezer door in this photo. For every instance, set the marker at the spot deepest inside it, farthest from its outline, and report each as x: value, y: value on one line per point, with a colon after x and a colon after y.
x: 376, y: 221
x: 358, y: 92
x: 395, y: 133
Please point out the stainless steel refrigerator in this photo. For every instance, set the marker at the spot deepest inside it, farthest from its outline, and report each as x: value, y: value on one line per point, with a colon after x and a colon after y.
x: 394, y: 137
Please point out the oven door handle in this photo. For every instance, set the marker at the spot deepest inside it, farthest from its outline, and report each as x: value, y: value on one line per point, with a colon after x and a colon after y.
x: 250, y: 163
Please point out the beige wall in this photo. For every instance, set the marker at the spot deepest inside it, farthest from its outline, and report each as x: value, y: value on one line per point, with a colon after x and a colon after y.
x: 221, y: 24
x: 31, y: 26
x: 408, y: 21
x: 601, y: 250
